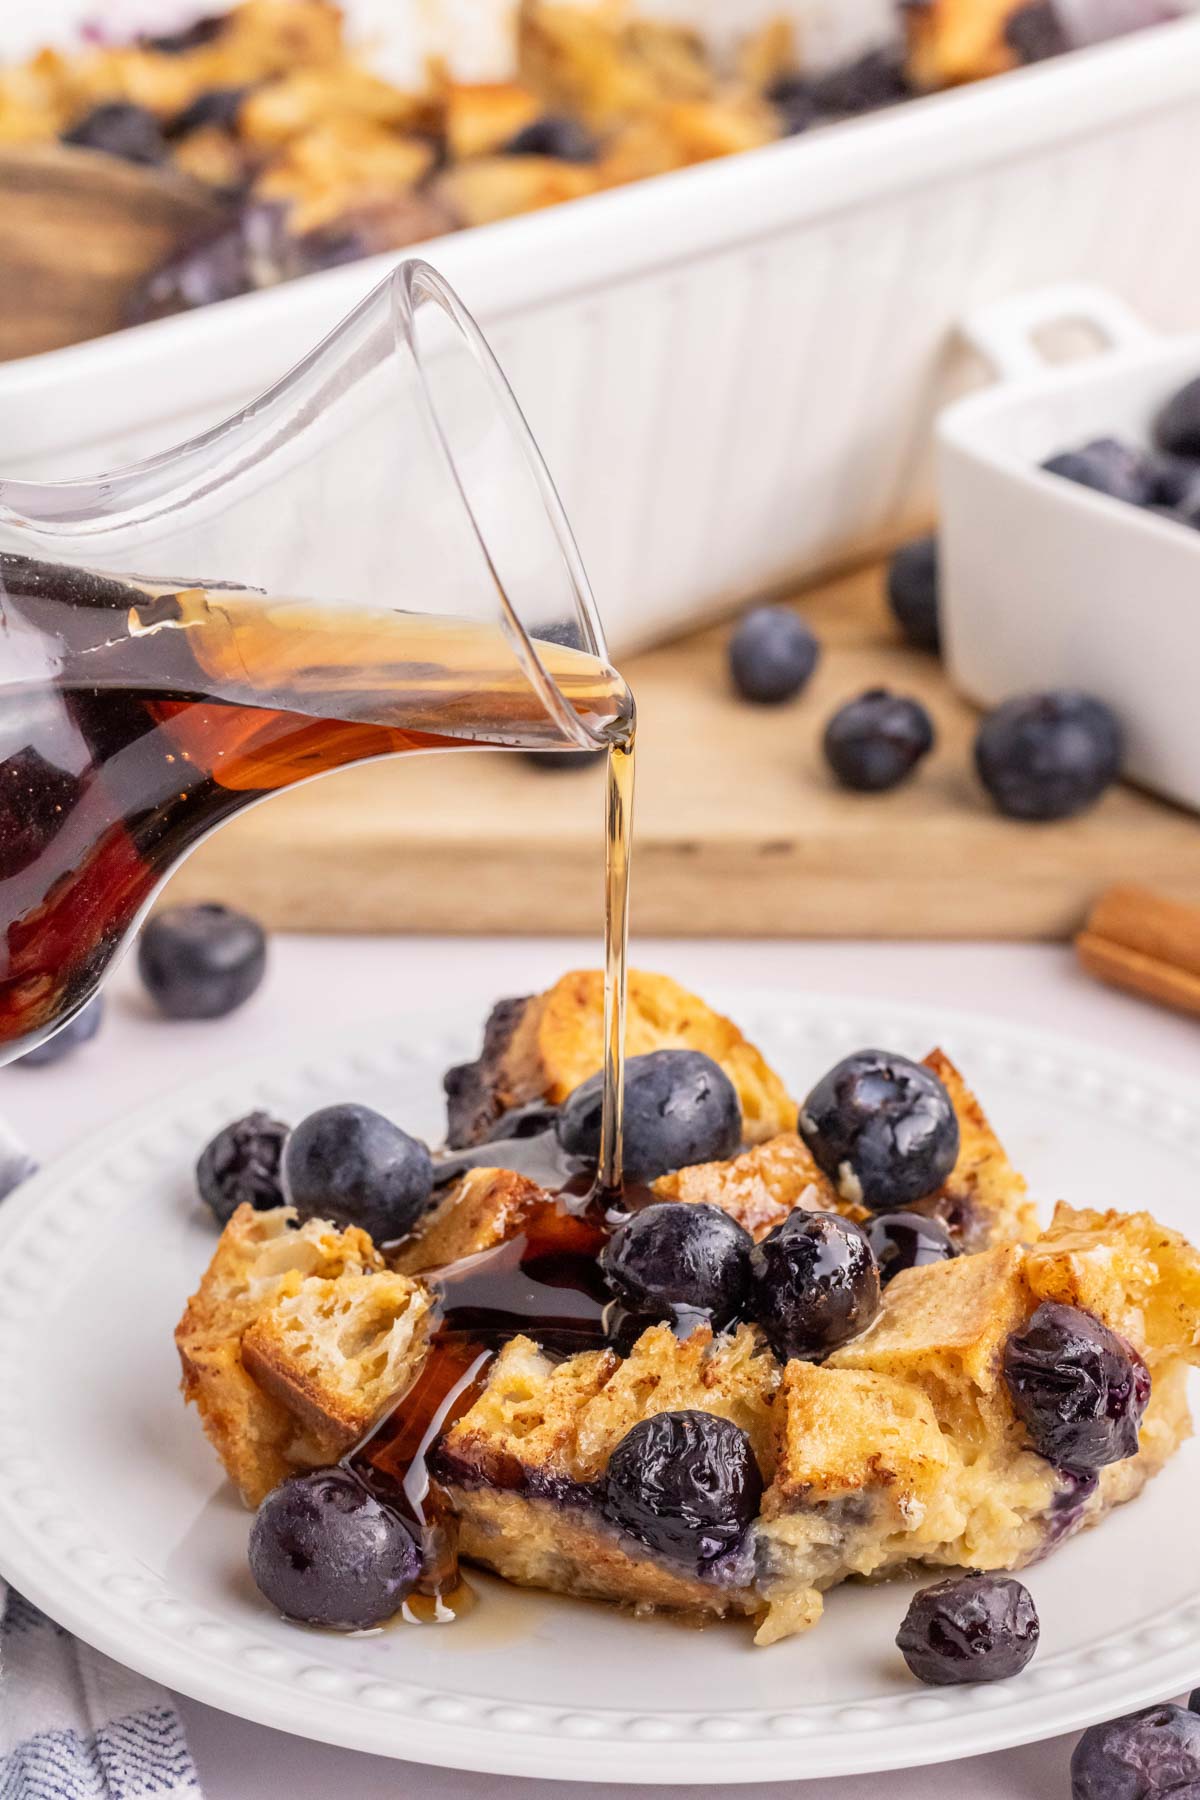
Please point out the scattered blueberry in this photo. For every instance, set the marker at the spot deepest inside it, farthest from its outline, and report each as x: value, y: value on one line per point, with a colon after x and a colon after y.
x: 813, y: 1284
x: 350, y: 1164
x: 1109, y: 467
x: 241, y: 1163
x: 214, y: 107
x: 325, y: 1552
x: 79, y: 1030
x: 16, y: 1164
x: 912, y: 589
x: 871, y: 81
x: 554, y: 134
x: 874, y: 742
x: 969, y: 1628
x: 1177, y: 428
x: 1048, y: 756
x: 556, y: 761
x: 120, y: 129
x: 771, y: 655
x: 193, y: 37
x: 792, y: 98
x: 201, y: 962
x: 882, y: 1128
x: 1078, y: 1389
x: 670, y: 1261
x: 680, y: 1108
x: 1034, y: 32
x: 685, y: 1484
x: 907, y: 1240
x: 1139, y: 1757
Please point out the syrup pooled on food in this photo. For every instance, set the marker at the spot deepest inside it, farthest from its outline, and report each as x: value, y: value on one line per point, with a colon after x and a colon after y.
x: 136, y: 715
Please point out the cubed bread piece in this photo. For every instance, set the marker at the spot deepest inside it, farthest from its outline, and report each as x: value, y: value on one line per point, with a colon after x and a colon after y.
x: 951, y: 41
x: 1137, y: 1275
x: 485, y: 1208
x: 544, y: 1047
x: 760, y: 1187
x: 984, y: 1200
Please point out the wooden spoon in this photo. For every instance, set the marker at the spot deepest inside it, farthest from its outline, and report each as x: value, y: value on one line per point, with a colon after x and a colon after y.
x: 78, y: 230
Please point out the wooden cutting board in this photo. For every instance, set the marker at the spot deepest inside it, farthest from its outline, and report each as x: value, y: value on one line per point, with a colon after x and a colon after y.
x: 739, y: 830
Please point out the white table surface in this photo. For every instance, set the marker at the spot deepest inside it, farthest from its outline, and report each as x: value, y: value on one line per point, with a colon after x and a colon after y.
x: 319, y: 985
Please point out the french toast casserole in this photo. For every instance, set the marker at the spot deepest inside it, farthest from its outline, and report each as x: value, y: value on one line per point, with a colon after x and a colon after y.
x: 966, y: 1391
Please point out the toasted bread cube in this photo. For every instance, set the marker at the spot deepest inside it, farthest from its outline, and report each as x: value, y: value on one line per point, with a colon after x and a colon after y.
x: 852, y: 1432
x: 983, y: 1190
x: 958, y: 40
x: 485, y: 1208
x: 499, y: 187
x: 759, y: 1188
x: 481, y: 117
x: 1138, y: 1276
x: 521, y: 1430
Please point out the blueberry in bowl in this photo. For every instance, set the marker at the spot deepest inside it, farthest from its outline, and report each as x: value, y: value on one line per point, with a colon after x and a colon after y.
x: 554, y: 134
x: 882, y: 1128
x: 814, y: 1285
x: 201, y: 962
x: 1108, y: 466
x: 669, y: 1261
x: 324, y: 1551
x: 680, y: 1108
x: 1079, y: 1390
x: 240, y: 1166
x: 70, y: 1037
x: 907, y: 1240
x: 685, y: 1484
x: 772, y: 654
x: 1177, y: 428
x: 912, y: 591
x: 1138, y: 1757
x: 972, y: 1627
x: 876, y: 741
x: 1049, y: 756
x: 349, y: 1164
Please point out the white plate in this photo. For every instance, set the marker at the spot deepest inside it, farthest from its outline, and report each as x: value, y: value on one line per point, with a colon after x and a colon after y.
x: 113, y: 1517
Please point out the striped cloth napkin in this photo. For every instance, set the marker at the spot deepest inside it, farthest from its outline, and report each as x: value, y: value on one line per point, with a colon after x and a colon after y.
x: 75, y: 1726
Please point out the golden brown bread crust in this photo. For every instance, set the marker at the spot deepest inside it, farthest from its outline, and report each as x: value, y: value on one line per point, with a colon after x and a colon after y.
x: 543, y: 1047
x: 486, y: 1207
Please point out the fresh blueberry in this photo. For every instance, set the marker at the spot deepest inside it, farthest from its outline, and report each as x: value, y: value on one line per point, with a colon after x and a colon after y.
x: 1034, y: 32
x: 241, y: 1164
x: 882, y: 1128
x: 214, y: 107
x: 906, y: 1240
x: 558, y: 761
x: 969, y: 1628
x: 685, y: 1484
x: 1048, y: 756
x: 680, y: 1108
x: 554, y: 134
x: 912, y: 589
x: 876, y: 741
x: 201, y: 962
x: 670, y: 1261
x: 16, y: 1164
x: 1139, y: 1757
x: 771, y: 655
x: 814, y: 1284
x: 1177, y: 428
x: 792, y: 98
x: 1109, y: 467
x: 350, y: 1164
x: 201, y: 31
x: 1176, y: 481
x: 871, y: 81
x: 325, y: 1552
x: 120, y: 129
x: 79, y: 1030
x: 1078, y: 1389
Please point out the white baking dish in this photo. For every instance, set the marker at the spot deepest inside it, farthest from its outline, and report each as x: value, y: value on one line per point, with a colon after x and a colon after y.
x: 1047, y: 584
x: 732, y: 371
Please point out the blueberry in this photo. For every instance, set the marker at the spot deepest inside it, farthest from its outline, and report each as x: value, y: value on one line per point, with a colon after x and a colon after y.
x: 350, y: 1164
x: 248, y: 251
x: 1139, y: 1757
x: 1176, y: 481
x: 882, y: 1128
x: 554, y: 134
x: 771, y: 655
x: 814, y: 1284
x: 79, y: 1030
x: 242, y: 1164
x: 906, y: 1240
x: 1048, y: 756
x: 1034, y: 32
x: 120, y: 129
x: 325, y: 1552
x: 685, y: 1484
x: 201, y: 962
x: 558, y: 761
x: 869, y: 82
x: 680, y: 1108
x: 912, y: 589
x: 1078, y: 1389
x: 214, y: 107
x: 1109, y: 467
x: 672, y: 1260
x: 204, y: 30
x: 792, y: 98
x: 1177, y: 428
x: 874, y: 742
x: 969, y: 1628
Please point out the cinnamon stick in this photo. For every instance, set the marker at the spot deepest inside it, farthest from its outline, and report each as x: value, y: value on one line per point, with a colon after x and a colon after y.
x: 1146, y: 943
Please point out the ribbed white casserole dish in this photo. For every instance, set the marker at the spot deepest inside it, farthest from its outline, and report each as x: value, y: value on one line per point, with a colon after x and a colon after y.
x: 732, y: 371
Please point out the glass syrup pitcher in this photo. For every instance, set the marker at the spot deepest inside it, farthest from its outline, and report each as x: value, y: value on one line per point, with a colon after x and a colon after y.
x: 369, y: 559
